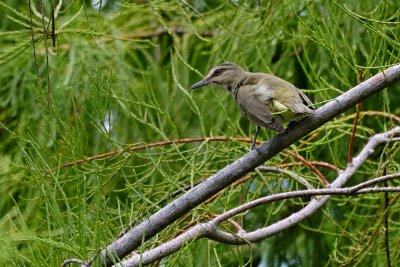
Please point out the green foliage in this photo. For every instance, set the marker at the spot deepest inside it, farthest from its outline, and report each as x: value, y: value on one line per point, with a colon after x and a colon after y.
x: 119, y: 76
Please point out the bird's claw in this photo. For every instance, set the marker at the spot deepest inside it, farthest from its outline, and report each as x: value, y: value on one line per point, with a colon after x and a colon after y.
x: 291, y: 124
x: 253, y: 146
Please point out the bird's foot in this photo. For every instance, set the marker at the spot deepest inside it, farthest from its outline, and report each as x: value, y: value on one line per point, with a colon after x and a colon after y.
x: 253, y: 146
x: 291, y: 124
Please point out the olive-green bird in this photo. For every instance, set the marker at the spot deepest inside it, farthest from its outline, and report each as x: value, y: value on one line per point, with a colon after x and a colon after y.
x: 264, y: 99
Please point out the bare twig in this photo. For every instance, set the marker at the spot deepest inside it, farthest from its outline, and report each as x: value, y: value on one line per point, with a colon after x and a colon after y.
x: 129, y: 36
x: 387, y: 248
x: 156, y: 144
x: 312, y: 167
x: 33, y: 39
x: 355, y: 122
x: 295, y: 176
x: 353, y: 133
x: 192, y: 8
x: 373, y: 113
x: 53, y: 28
x: 45, y: 30
x: 309, y: 139
x: 314, y: 163
x: 226, y: 176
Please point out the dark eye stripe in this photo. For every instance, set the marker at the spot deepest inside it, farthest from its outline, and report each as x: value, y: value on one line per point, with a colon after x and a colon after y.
x: 218, y: 72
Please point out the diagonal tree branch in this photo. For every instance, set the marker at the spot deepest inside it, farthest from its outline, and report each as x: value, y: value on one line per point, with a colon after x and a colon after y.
x: 210, y: 230
x: 226, y: 176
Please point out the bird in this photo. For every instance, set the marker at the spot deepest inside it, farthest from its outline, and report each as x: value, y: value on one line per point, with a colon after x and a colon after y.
x: 262, y: 98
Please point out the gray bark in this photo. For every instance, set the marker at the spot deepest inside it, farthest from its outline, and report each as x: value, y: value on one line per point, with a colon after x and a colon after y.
x: 226, y: 176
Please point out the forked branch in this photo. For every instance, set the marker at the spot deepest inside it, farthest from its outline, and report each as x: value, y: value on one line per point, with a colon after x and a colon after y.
x: 210, y: 230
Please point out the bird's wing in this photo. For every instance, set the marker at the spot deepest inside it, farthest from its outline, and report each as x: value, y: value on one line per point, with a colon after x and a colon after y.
x: 304, y: 105
x: 305, y: 99
x: 255, y: 110
x: 285, y: 93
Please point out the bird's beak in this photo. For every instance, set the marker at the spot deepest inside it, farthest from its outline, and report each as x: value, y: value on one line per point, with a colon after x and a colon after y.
x: 200, y: 84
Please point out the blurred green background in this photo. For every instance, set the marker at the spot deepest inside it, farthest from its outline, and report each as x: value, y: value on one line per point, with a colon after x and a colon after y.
x: 118, y: 74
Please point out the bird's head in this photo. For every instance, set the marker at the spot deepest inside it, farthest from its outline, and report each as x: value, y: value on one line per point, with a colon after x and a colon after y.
x: 225, y: 75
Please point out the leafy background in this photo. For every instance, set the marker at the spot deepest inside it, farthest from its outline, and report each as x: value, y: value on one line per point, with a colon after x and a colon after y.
x: 119, y: 75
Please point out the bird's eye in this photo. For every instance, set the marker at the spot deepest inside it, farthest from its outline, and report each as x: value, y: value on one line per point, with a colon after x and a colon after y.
x: 218, y: 72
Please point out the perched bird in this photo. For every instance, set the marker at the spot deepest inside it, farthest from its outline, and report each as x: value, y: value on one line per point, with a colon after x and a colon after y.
x: 264, y: 99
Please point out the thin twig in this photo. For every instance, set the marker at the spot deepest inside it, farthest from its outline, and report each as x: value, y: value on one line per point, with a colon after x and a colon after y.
x: 53, y: 28
x: 156, y: 144
x: 129, y: 36
x: 189, y: 225
x: 311, y: 166
x: 192, y: 8
x: 386, y: 230
x: 45, y: 30
x: 353, y: 133
x: 373, y: 113
x: 194, y: 140
x: 314, y: 163
x: 295, y: 176
x: 243, y: 179
x: 33, y: 39
x: 309, y: 139
x: 355, y: 122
